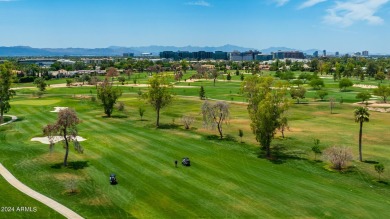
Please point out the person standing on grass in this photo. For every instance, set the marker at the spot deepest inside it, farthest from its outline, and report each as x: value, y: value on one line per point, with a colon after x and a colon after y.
x: 176, y: 163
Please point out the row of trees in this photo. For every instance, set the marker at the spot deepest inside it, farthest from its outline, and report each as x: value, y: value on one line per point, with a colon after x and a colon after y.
x: 5, y: 89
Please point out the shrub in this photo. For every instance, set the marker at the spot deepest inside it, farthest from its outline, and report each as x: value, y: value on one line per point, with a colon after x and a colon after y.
x: 379, y: 168
x: 121, y: 107
x: 187, y: 121
x: 338, y: 156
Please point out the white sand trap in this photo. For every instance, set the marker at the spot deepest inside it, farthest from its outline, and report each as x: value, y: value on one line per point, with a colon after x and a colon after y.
x: 57, y: 109
x: 45, y: 140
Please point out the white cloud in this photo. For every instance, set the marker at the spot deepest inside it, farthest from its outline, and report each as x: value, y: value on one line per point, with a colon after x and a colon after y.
x: 199, y: 3
x: 280, y: 2
x: 310, y: 3
x: 349, y: 12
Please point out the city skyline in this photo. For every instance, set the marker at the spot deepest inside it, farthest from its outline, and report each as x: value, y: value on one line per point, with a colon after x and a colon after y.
x: 344, y: 26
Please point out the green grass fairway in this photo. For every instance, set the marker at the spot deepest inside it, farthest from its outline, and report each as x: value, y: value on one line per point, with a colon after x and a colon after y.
x: 14, y: 204
x: 227, y: 179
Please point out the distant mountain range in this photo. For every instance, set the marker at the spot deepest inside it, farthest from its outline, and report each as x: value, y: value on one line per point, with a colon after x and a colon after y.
x: 15, y: 51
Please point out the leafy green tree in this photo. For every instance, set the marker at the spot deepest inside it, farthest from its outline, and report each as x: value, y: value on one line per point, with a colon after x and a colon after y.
x: 383, y: 92
x: 242, y: 77
x: 184, y: 65
x: 69, y: 82
x: 215, y: 115
x: 322, y: 94
x: 361, y: 115
x: 228, y: 77
x: 5, y: 89
x: 41, y: 84
x: 372, y: 69
x: 379, y: 168
x: 380, y: 76
x: 344, y: 83
x: 288, y: 75
x: 108, y: 95
x: 305, y: 77
x: 358, y: 72
x: 297, y: 93
x: 159, y: 94
x: 122, y: 80
x: 317, y: 84
x: 298, y: 82
x: 364, y: 96
x: 202, y: 93
x: 265, y: 108
x: 141, y: 111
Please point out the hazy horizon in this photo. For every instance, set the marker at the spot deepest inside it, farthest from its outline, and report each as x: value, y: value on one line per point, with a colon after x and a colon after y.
x: 344, y: 26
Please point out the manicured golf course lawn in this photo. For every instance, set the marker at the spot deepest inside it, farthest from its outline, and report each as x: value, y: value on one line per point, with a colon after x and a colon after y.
x: 227, y: 179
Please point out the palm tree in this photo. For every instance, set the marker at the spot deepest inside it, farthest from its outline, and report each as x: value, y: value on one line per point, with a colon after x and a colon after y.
x: 361, y: 115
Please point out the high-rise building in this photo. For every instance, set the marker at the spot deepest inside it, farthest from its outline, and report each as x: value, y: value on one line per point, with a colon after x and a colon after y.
x: 324, y: 53
x: 288, y: 55
x: 202, y: 55
x: 219, y: 55
x: 337, y: 54
x: 263, y: 57
x: 315, y: 54
x: 365, y: 53
x: 184, y: 55
x: 168, y: 55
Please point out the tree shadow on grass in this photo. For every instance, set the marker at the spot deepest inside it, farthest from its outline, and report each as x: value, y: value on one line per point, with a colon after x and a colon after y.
x: 115, y: 117
x: 75, y: 165
x: 168, y: 126
x: 370, y: 161
x: 280, y: 155
x: 383, y: 182
x: 20, y: 119
x: 218, y: 138
x: 349, y: 169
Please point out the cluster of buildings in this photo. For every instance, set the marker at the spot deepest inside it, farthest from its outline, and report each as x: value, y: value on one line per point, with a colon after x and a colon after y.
x: 337, y: 54
x: 232, y: 56
x: 47, y: 62
x: 200, y: 55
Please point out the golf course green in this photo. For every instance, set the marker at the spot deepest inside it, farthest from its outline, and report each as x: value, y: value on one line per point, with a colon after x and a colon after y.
x: 227, y: 178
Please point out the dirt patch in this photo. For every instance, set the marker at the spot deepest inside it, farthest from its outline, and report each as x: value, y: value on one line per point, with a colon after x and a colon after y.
x: 66, y: 176
x: 79, y: 96
x: 97, y: 201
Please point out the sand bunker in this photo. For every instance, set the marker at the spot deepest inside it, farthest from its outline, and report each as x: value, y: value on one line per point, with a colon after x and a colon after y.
x: 45, y: 140
x: 57, y: 109
x: 365, y: 86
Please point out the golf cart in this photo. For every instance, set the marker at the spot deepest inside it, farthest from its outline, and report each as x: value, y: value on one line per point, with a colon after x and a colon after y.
x: 113, y: 179
x: 186, y: 162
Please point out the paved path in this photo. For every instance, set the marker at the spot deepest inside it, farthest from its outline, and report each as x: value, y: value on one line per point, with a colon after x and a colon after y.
x: 13, y: 119
x: 66, y: 212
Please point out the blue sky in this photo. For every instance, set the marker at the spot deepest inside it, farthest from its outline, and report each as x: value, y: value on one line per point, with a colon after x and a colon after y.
x: 343, y: 25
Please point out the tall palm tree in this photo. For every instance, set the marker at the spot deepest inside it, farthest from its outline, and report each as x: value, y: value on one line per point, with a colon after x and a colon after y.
x: 361, y: 115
